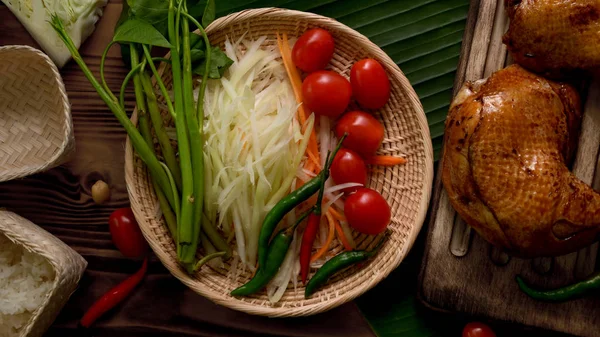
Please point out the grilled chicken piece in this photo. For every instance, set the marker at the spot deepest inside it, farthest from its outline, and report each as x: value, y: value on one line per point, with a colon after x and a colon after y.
x: 506, y: 145
x: 554, y: 37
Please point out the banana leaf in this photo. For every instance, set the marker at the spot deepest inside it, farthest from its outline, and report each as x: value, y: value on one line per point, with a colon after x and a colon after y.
x: 424, y: 38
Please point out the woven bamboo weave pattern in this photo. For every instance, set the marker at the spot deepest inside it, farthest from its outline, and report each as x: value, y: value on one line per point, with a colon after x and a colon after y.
x: 36, y: 131
x: 406, y: 187
x: 68, y: 267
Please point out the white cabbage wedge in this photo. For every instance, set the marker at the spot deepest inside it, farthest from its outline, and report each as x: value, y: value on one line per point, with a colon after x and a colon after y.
x: 78, y: 16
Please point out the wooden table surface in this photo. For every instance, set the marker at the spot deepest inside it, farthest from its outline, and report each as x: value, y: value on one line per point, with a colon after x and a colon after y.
x: 60, y: 202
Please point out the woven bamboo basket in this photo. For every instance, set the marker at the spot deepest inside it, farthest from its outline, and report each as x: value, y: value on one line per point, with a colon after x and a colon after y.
x: 68, y: 268
x: 406, y: 187
x: 36, y: 132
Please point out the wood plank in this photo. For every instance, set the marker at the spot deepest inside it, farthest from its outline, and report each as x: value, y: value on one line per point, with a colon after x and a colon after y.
x: 60, y: 201
x: 467, y: 275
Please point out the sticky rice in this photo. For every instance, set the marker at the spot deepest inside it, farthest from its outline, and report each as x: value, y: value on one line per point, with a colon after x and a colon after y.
x: 25, y: 281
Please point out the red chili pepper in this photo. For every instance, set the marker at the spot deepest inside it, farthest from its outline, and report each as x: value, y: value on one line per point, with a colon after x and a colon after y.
x: 312, y: 226
x: 114, y: 296
x: 308, y: 239
x: 314, y: 219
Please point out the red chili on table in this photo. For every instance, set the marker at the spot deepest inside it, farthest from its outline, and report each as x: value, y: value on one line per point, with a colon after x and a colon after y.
x: 127, y: 236
x: 114, y: 296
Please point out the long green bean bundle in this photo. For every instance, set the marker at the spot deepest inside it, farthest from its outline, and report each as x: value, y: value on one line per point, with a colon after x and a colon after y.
x: 178, y: 180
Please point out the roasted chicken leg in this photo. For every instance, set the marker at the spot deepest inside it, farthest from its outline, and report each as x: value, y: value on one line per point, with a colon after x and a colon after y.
x: 554, y: 37
x: 507, y: 141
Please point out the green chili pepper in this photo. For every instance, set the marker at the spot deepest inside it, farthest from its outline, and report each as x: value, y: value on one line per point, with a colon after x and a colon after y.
x: 561, y: 294
x: 337, y: 264
x: 288, y: 203
x: 277, y: 251
x: 282, y: 208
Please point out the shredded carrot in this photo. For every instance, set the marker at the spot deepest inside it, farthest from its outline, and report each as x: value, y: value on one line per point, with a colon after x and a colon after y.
x: 340, y: 232
x: 385, y: 160
x: 286, y: 54
x: 313, y: 159
x: 295, y: 79
x: 314, y: 148
x: 329, y: 239
x: 342, y: 237
x: 309, y: 166
x: 299, y: 183
x: 337, y: 215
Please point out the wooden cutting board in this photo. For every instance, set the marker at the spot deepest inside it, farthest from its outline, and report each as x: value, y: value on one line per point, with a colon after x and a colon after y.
x: 463, y: 273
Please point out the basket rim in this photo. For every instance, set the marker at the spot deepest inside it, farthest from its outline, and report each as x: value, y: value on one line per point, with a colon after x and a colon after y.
x: 66, y: 111
x: 415, y: 105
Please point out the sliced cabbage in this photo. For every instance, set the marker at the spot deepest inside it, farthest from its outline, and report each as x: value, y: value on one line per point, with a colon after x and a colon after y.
x: 78, y: 16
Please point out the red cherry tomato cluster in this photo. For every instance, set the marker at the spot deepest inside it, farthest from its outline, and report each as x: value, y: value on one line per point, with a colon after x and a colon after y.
x: 327, y: 93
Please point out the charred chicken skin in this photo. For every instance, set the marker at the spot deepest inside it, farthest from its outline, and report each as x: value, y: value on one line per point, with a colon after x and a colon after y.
x: 507, y: 143
x: 554, y: 37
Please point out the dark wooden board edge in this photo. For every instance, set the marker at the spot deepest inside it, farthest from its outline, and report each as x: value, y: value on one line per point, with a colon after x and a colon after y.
x: 437, y: 184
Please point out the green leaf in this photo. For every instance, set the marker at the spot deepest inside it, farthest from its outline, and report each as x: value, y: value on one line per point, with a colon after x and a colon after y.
x: 197, y: 50
x: 196, y: 41
x: 125, y: 14
x: 209, y: 13
x: 198, y: 9
x: 125, y: 52
x: 139, y: 31
x: 155, y: 12
x: 218, y: 64
x: 197, y: 55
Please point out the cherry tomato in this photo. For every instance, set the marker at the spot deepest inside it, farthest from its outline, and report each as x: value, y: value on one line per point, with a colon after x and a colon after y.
x: 326, y: 93
x: 370, y: 84
x: 367, y: 211
x: 126, y: 233
x: 477, y: 329
x: 365, y: 132
x: 348, y: 167
x: 313, y: 50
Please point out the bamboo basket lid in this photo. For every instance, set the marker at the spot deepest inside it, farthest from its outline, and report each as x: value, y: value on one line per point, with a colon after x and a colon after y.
x: 36, y: 131
x: 406, y: 187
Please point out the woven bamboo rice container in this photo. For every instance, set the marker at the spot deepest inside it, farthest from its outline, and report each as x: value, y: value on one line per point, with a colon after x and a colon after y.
x: 36, y: 131
x: 406, y: 187
x: 68, y: 268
